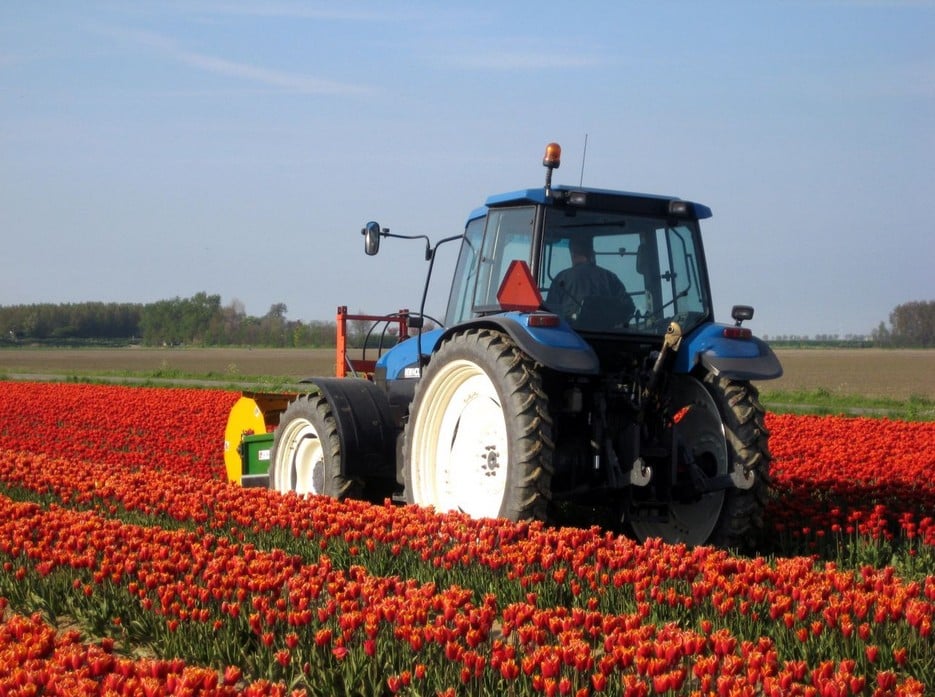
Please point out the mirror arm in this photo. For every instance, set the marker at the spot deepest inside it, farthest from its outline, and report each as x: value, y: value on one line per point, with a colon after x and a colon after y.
x: 430, y: 257
x: 372, y: 233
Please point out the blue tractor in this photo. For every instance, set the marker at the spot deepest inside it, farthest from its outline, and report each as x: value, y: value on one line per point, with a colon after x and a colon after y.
x: 578, y: 374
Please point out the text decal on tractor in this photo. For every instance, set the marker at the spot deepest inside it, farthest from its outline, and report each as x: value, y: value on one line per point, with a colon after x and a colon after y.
x: 578, y: 375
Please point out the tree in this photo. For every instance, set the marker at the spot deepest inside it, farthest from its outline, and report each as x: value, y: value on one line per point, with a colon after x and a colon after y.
x: 88, y: 320
x: 914, y: 323
x: 274, y: 325
x: 180, y: 320
x: 881, y: 335
x: 277, y: 311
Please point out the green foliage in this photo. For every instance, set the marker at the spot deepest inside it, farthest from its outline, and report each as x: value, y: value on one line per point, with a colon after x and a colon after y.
x: 200, y: 320
x: 179, y: 320
x: 62, y: 322
x: 912, y: 326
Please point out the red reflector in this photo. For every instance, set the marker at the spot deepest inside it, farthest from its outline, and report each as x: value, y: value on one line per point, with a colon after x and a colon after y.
x: 518, y: 291
x: 737, y: 333
x: 542, y: 319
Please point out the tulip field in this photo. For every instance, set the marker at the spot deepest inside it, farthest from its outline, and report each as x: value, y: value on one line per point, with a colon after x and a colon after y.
x: 129, y: 566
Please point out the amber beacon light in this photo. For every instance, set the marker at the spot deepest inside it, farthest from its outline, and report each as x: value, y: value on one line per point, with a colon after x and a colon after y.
x: 552, y: 160
x: 553, y: 156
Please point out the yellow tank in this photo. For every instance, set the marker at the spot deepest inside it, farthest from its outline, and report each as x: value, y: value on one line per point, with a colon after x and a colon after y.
x: 253, y: 413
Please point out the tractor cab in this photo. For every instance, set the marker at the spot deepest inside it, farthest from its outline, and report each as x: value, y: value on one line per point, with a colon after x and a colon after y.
x: 617, y: 268
x: 607, y: 263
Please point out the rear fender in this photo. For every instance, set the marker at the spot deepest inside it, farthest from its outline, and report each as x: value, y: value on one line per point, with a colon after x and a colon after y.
x: 738, y: 359
x: 560, y: 348
x: 365, y: 426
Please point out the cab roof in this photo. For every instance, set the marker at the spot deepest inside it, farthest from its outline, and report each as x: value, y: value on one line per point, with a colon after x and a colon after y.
x: 606, y: 199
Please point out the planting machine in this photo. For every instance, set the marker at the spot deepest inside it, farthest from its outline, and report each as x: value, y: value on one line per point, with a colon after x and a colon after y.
x: 543, y: 393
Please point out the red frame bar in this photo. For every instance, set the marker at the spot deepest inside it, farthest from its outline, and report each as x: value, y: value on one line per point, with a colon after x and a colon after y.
x: 343, y: 362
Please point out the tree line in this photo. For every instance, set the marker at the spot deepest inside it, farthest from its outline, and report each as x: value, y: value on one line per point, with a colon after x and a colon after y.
x: 912, y: 325
x: 201, y: 320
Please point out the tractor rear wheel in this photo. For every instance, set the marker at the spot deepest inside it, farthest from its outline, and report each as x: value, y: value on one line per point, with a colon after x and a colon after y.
x: 478, y: 439
x: 306, y: 453
x: 724, y: 428
x: 741, y: 522
x: 699, y: 430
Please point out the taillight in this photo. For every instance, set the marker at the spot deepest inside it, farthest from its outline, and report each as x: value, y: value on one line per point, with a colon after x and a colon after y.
x: 737, y: 333
x: 542, y: 319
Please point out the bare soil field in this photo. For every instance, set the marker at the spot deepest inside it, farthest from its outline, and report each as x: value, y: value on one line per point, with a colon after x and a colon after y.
x: 895, y: 373
x: 230, y: 363
x: 899, y: 374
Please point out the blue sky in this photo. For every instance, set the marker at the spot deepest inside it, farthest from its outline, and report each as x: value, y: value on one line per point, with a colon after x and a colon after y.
x: 150, y: 150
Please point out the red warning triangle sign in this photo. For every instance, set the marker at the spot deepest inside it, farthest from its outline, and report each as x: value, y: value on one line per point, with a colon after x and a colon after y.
x: 518, y: 290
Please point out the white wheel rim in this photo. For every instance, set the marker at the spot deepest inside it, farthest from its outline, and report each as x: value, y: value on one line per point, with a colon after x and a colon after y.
x: 460, y: 457
x: 300, y: 460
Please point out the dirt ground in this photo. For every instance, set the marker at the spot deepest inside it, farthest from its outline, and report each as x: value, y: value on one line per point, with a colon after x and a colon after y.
x: 227, y: 362
x: 900, y: 374
x: 869, y: 372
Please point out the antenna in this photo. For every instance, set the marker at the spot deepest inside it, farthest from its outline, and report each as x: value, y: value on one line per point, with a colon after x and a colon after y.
x: 584, y: 154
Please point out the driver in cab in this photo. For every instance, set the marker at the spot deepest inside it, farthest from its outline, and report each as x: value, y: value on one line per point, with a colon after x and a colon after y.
x: 576, y: 289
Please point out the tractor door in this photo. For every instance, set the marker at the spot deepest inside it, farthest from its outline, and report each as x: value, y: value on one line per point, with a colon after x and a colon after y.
x: 489, y: 245
x: 465, y: 276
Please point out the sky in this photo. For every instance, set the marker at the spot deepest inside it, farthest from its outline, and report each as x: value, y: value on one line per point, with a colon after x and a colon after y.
x: 156, y: 149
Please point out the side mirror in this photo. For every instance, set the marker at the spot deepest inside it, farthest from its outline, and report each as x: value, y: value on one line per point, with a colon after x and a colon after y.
x: 741, y: 313
x: 371, y: 235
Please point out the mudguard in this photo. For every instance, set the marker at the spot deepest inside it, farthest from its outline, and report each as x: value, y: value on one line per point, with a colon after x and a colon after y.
x: 738, y: 359
x: 402, y: 361
x: 364, y: 424
x: 559, y: 348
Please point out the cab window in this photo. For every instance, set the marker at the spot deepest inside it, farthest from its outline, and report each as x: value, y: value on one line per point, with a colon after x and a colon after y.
x: 508, y: 237
x: 462, y: 286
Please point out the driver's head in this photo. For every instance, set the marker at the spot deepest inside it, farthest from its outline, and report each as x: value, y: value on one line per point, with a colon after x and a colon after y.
x: 581, y: 248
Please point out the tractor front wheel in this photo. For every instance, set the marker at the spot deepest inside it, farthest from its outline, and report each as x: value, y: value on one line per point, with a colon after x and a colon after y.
x: 306, y: 453
x: 478, y: 439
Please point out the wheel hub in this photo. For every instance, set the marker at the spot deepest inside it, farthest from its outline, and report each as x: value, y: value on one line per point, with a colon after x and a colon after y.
x: 491, y: 461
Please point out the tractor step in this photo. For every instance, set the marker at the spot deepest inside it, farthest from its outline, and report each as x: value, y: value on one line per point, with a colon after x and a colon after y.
x: 255, y: 480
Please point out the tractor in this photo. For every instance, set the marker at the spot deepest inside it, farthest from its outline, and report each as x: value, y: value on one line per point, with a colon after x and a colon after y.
x: 577, y: 374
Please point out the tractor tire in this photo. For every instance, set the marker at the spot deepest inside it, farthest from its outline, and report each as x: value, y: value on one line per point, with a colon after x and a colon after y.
x: 478, y: 439
x: 740, y: 526
x: 306, y: 453
x: 700, y: 429
x: 724, y: 428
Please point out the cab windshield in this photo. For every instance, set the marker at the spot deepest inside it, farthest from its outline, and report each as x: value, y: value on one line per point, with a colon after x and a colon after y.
x: 612, y: 272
